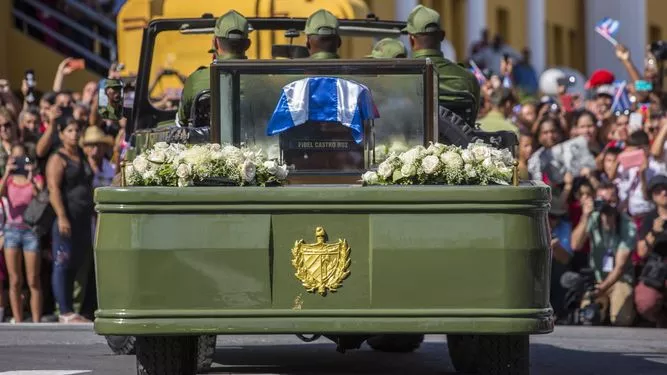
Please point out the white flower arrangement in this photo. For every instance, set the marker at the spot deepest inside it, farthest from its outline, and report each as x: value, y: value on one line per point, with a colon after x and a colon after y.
x: 439, y: 164
x: 396, y: 146
x: 179, y: 165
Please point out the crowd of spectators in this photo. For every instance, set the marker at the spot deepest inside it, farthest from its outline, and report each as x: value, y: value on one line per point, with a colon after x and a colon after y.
x: 603, y: 152
x: 55, y: 146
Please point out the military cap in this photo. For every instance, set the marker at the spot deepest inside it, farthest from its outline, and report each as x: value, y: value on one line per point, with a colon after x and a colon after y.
x: 423, y: 20
x: 388, y: 48
x: 113, y: 83
x: 232, y: 25
x: 322, y: 22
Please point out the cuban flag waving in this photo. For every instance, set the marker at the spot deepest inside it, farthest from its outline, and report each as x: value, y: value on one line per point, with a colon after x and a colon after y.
x: 622, y: 101
x: 608, y: 28
x: 323, y: 99
x: 474, y: 69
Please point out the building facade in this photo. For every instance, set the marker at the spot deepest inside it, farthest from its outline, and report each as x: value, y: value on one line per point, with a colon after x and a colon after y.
x: 558, y: 32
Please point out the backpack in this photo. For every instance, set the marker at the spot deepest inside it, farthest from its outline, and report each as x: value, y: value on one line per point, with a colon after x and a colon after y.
x: 39, y: 214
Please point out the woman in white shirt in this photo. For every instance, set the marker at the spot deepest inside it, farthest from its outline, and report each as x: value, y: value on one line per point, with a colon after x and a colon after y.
x: 632, y: 179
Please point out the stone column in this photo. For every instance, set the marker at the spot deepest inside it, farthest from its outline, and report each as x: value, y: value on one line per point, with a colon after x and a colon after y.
x: 633, y: 28
x: 475, y: 22
x: 403, y: 9
x: 632, y: 33
x: 537, y: 39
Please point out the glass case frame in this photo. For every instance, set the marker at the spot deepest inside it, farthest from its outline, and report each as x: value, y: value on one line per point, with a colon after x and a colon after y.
x: 227, y: 129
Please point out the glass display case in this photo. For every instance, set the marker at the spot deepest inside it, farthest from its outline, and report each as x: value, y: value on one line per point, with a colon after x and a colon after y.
x: 325, y: 119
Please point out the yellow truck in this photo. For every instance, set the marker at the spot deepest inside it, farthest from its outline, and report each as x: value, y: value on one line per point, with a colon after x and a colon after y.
x: 171, y: 55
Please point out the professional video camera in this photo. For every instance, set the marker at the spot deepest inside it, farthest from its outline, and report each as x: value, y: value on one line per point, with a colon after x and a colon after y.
x: 654, y: 273
x: 659, y: 49
x: 579, y: 286
x: 658, y: 52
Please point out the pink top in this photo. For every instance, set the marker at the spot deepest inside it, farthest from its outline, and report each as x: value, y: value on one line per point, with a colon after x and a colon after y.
x: 18, y: 198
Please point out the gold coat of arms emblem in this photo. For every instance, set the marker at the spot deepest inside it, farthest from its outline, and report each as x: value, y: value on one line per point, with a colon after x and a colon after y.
x: 321, y: 266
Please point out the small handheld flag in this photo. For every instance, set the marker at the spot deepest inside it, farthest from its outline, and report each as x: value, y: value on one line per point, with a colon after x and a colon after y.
x: 481, y: 79
x: 607, y: 28
x: 621, y: 98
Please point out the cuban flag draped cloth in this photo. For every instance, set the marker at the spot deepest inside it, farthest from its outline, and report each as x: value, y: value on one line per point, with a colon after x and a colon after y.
x: 323, y: 99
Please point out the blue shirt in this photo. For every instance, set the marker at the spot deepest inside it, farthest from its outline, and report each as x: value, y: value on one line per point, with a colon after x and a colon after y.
x: 563, y: 232
x: 525, y: 78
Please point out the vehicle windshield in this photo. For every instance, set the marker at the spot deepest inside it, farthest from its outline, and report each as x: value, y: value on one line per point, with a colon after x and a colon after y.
x: 175, y: 57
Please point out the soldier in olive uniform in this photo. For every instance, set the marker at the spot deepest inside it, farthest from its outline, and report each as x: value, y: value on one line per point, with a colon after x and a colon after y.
x: 230, y: 42
x: 389, y: 48
x: 112, y: 111
x: 425, y: 35
x: 322, y: 36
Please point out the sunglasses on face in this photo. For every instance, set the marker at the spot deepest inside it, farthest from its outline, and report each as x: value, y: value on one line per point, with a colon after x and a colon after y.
x: 6, y: 126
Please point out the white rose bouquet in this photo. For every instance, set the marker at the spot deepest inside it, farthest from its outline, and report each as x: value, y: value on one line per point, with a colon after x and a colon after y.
x: 179, y: 165
x: 439, y: 164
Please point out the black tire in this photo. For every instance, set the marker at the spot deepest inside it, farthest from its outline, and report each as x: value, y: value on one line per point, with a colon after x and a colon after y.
x: 167, y: 355
x: 463, y: 351
x: 504, y: 355
x: 398, y: 343
x: 121, y: 345
x: 205, y: 351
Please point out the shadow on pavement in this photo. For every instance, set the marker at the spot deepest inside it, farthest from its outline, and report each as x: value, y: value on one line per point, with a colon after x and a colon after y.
x: 322, y: 358
x: 554, y: 360
x: 429, y: 359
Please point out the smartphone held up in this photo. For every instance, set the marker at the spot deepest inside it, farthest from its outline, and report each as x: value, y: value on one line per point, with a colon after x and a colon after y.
x: 631, y: 159
x: 77, y: 64
x: 31, y: 83
x: 20, y: 165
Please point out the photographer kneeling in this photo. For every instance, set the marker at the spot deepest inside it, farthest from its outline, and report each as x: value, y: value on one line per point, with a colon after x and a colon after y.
x: 650, y: 292
x: 612, y: 235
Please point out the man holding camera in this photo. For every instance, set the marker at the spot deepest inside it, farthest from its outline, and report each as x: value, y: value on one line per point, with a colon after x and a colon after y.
x: 611, y: 234
x: 651, y: 291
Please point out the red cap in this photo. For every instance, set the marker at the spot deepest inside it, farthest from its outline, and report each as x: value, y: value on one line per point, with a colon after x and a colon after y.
x: 600, y: 77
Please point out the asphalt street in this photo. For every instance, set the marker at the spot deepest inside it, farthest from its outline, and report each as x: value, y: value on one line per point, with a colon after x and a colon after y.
x: 52, y: 349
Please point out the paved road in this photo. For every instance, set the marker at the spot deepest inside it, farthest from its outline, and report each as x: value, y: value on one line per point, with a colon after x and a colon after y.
x: 569, y: 350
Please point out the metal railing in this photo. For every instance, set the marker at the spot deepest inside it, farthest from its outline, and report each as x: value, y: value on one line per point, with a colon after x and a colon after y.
x: 71, y: 23
x: 85, y: 53
x: 94, y: 52
x: 92, y: 15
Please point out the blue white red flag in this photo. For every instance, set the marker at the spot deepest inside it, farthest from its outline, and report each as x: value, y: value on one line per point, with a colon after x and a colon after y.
x: 323, y: 99
x: 474, y: 69
x: 608, y: 28
x: 622, y: 101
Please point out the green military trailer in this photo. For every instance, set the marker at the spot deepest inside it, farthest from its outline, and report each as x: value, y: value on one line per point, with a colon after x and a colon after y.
x: 317, y: 253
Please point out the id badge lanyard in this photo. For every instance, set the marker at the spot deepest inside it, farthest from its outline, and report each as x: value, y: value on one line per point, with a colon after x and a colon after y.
x: 609, y: 243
